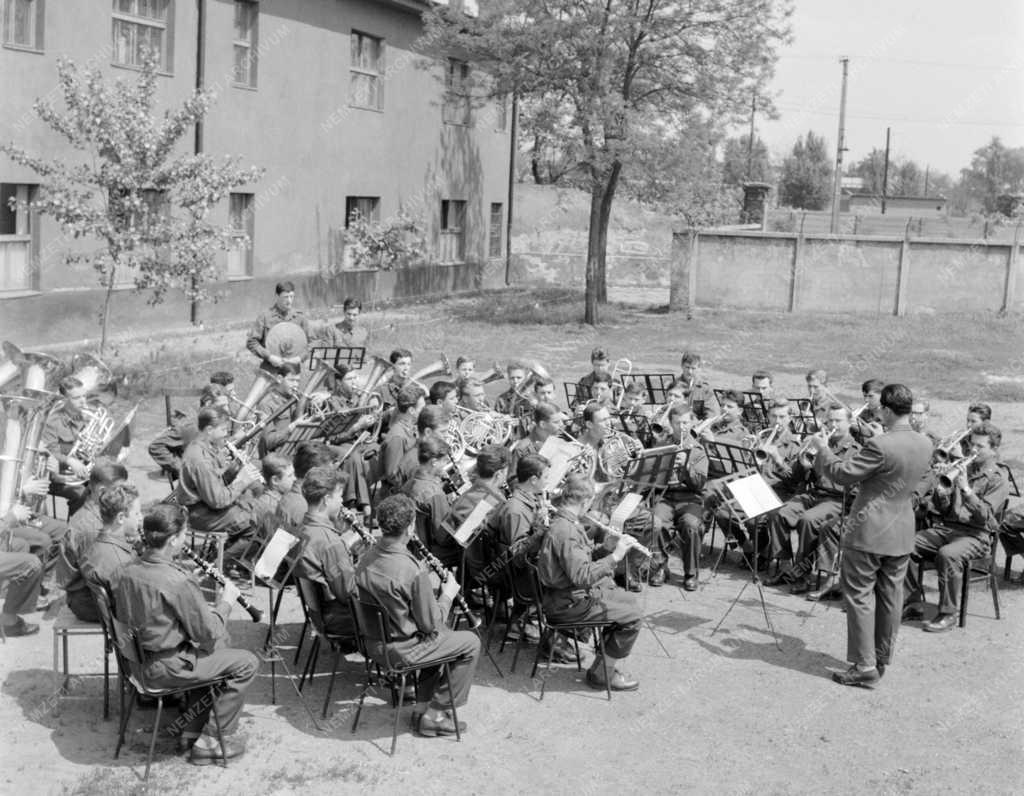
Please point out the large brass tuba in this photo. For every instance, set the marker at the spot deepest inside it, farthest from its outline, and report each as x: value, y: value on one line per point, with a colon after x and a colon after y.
x: 435, y: 370
x: 41, y: 371
x: 12, y: 432
x: 91, y: 371
x: 32, y: 454
x: 257, y: 392
x: 375, y: 377
x: 13, y: 359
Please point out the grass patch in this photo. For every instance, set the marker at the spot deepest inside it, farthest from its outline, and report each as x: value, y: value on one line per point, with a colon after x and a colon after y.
x: 522, y: 307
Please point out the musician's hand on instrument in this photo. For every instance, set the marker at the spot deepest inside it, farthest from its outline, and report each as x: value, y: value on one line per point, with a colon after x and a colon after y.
x: 962, y: 483
x: 36, y: 486
x: 247, y: 475
x: 52, y: 465
x: 78, y: 467
x: 622, y: 547
x: 230, y: 593
x: 275, y: 360
x: 21, y: 513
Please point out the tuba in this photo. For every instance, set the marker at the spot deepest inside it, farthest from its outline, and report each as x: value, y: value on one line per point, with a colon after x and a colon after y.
x: 13, y: 359
x: 616, y: 452
x: 380, y: 372
x: 91, y: 371
x: 435, y: 370
x: 32, y: 454
x: 257, y: 392
x: 494, y: 373
x: 11, y: 436
x: 41, y: 372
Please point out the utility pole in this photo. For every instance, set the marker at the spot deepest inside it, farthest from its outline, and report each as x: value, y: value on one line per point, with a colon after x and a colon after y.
x: 927, y: 170
x: 837, y: 188
x: 885, y: 168
x: 750, y: 139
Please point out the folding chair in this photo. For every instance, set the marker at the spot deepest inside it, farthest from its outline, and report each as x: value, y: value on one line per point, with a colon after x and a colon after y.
x: 309, y: 592
x: 373, y: 639
x: 65, y: 626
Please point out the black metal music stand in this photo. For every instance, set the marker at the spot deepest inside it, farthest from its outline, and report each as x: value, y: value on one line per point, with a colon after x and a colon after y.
x: 804, y: 421
x: 656, y: 384
x: 575, y: 393
x: 635, y: 425
x: 352, y: 356
x: 739, y: 515
x: 755, y: 411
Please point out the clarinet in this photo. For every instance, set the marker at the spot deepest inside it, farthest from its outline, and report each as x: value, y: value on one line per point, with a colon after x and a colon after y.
x: 352, y: 518
x: 212, y: 572
x: 443, y: 573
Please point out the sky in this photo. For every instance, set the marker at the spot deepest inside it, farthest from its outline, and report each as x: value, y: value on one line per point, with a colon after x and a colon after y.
x: 945, y: 76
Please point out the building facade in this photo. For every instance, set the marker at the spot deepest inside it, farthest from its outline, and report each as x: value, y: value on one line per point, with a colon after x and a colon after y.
x: 327, y: 96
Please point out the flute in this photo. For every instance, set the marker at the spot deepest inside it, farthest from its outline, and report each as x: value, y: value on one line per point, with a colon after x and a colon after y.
x: 631, y: 542
x: 443, y: 573
x: 212, y: 572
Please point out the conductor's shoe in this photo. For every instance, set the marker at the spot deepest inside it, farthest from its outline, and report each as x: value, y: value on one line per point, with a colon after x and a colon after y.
x: 619, y: 681
x: 830, y: 591
x: 205, y: 755
x: 690, y: 583
x: 800, y: 586
x: 941, y: 623
x: 913, y: 613
x: 657, y: 577
x: 856, y: 677
x: 429, y: 728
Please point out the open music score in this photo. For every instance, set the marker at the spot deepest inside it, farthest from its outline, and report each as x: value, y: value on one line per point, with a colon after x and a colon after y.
x: 470, y: 527
x: 274, y: 553
x: 753, y: 495
x: 559, y: 452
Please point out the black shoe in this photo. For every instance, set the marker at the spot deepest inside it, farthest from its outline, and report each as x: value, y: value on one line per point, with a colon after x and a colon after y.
x: 856, y: 677
x: 657, y: 577
x: 941, y: 623
x: 20, y: 628
x: 633, y: 584
x: 203, y: 756
x: 881, y: 669
x: 913, y: 613
x: 782, y: 576
x: 690, y: 583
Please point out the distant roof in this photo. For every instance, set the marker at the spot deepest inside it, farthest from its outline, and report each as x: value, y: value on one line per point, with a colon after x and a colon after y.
x: 888, y: 196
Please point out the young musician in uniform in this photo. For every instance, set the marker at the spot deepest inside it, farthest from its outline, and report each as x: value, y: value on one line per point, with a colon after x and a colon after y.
x: 283, y: 394
x: 113, y: 550
x: 489, y: 482
x: 281, y: 311
x: 347, y: 332
x: 730, y: 427
x: 601, y: 393
x: 64, y: 427
x: 963, y: 520
x: 432, y: 505
x: 213, y: 504
x: 472, y: 396
x: 22, y: 572
x: 869, y: 420
x: 291, y: 508
x: 279, y: 477
x: 401, y: 437
x: 761, y: 382
x: 511, y: 402
x: 392, y: 578
x: 325, y: 558
x: 183, y: 640
x: 817, y: 390
x: 696, y: 391
x: 445, y: 395
x: 577, y: 587
x: 919, y: 420
x: 465, y: 367
x: 543, y: 390
x: 401, y: 367
x: 879, y: 536
x: 600, y: 364
x: 548, y: 421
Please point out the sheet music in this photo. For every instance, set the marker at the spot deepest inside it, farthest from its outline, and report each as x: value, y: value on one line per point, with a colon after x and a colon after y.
x: 754, y: 495
x: 468, y: 528
x: 277, y: 548
x: 624, y: 510
x: 559, y: 452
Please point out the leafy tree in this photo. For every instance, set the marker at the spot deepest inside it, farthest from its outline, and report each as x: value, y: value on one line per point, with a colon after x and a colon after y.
x: 806, y: 180
x: 735, y: 158
x: 995, y: 170
x: 604, y: 69
x: 129, y: 188
x: 871, y: 169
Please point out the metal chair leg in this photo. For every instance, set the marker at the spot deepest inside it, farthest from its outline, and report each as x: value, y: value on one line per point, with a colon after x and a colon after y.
x: 398, y: 715
x: 302, y: 639
x: 311, y: 662
x: 604, y: 663
x: 547, y: 669
x: 216, y: 722
x: 451, y: 700
x: 330, y: 685
x: 106, y: 679
x: 125, y: 717
x: 152, y: 740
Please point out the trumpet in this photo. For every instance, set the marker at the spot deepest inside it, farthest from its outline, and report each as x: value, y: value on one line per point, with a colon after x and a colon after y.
x: 631, y: 541
x: 947, y: 449
x: 805, y: 455
x: 761, y: 452
x: 948, y: 477
x: 856, y: 413
x: 707, y: 425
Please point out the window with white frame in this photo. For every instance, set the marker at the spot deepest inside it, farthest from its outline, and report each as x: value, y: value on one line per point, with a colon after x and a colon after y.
x: 456, y: 92
x: 23, y: 24
x: 453, y: 231
x: 18, y: 246
x: 243, y: 228
x: 246, y: 42
x: 141, y: 26
x: 366, y: 70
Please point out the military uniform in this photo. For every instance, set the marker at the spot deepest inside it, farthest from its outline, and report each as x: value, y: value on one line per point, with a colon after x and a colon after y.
x: 257, y: 337
x: 183, y: 640
x: 391, y: 577
x: 400, y: 439
x: 276, y: 433
x: 524, y: 447
x: 61, y: 432
x: 512, y: 403
x: 22, y: 571
x: 169, y: 446
x: 432, y: 507
x: 83, y: 530
x: 104, y: 563
x: 700, y: 399
x: 681, y: 508
x: 325, y: 560
x: 213, y: 505
x: 344, y: 334
x: 461, y: 508
x: 579, y: 588
x: 961, y: 528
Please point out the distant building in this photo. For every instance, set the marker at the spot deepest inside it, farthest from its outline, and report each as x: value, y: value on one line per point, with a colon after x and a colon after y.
x: 327, y: 96
x: 905, y: 206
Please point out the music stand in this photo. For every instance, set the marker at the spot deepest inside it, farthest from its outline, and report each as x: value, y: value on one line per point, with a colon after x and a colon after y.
x: 575, y: 393
x: 656, y: 384
x: 725, y: 458
x: 635, y: 425
x: 755, y: 411
x: 752, y: 497
x: 804, y: 421
x: 351, y: 356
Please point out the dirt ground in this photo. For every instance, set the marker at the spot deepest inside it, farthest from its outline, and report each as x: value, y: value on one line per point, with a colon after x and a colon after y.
x: 727, y: 711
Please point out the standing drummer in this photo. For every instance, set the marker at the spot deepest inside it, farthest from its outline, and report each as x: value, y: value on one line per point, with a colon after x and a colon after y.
x: 282, y: 311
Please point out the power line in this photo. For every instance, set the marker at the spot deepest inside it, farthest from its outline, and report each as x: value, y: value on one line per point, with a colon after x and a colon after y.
x: 910, y: 61
x: 904, y: 119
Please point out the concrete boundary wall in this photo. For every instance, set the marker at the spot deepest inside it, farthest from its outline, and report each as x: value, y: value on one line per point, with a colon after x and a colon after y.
x: 843, y: 273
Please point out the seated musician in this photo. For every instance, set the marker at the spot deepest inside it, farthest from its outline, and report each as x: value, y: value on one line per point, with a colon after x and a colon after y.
x: 680, y: 511
x: 445, y: 395
x: 212, y: 499
x: 430, y: 423
x: 489, y: 482
x: 601, y: 392
x: 977, y: 415
x: 426, y: 489
x: 183, y: 640
x: 777, y: 468
x: 1011, y: 534
x: 543, y: 390
x: 398, y: 376
x: 869, y: 417
x: 281, y: 311
x: 64, y: 427
x: 964, y: 519
x: 578, y: 587
x: 761, y: 381
x: 813, y: 514
x: 548, y: 421
x: 279, y: 477
x: 596, y: 422
x: 465, y: 367
x: 325, y: 558
x: 472, y: 396
x: 919, y: 420
x: 600, y: 364
x: 401, y: 437
x: 169, y: 446
x: 83, y: 530
x: 633, y: 396
x: 696, y: 391
x: 818, y: 392
x: 22, y: 574
x: 114, y: 548
x: 729, y: 428
x: 281, y: 395
x: 291, y: 507
x: 394, y: 579
x: 511, y: 402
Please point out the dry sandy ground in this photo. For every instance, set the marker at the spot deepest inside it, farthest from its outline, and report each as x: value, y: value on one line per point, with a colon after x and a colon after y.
x: 728, y: 712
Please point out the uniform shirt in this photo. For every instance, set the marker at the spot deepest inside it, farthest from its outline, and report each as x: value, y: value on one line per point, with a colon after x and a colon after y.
x: 978, y: 512
x: 257, y: 337
x: 392, y: 577
x: 516, y: 526
x: 732, y: 432
x: 202, y: 477
x: 169, y: 446
x: 275, y: 433
x: 700, y: 398
x: 326, y: 560
x: 105, y: 562
x: 511, y: 403
x: 265, y: 505
x: 524, y: 447
x: 689, y: 476
x: 824, y: 487
x: 400, y: 439
x: 83, y: 529
x: 345, y: 334
x: 61, y: 432
x: 778, y: 475
x: 432, y: 507
x: 566, y: 563
x: 291, y: 509
x: 164, y: 604
x: 463, y: 506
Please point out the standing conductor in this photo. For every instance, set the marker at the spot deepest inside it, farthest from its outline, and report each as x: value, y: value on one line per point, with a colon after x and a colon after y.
x: 878, y: 535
